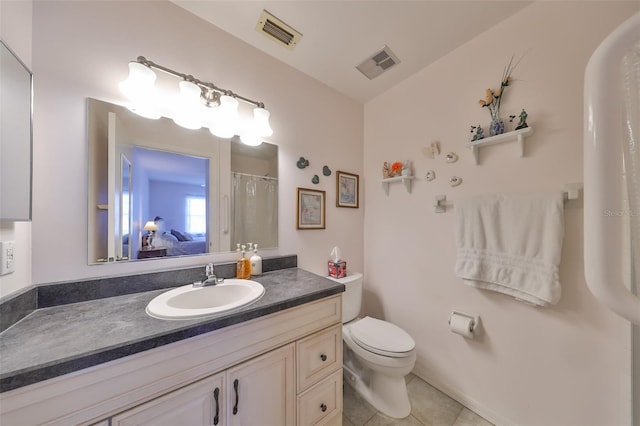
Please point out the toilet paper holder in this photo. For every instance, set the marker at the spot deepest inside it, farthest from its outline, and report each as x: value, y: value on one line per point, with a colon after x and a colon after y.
x: 475, y: 319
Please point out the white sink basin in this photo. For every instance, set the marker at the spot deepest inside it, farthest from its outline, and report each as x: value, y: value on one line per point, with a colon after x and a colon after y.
x: 189, y: 302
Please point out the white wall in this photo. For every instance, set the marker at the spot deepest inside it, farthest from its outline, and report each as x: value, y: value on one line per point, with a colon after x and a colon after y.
x: 81, y: 49
x: 561, y: 365
x: 15, y: 31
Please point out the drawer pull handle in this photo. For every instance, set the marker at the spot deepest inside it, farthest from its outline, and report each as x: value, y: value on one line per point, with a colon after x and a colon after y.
x: 323, y: 407
x: 216, y: 418
x: 235, y: 388
x: 323, y: 357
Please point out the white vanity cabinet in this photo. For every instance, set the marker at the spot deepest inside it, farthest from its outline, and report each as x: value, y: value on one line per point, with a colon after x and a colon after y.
x: 288, y: 366
x: 258, y: 391
x: 261, y: 391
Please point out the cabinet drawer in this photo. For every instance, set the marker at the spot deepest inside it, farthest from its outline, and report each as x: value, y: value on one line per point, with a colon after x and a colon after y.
x: 319, y: 355
x: 322, y: 403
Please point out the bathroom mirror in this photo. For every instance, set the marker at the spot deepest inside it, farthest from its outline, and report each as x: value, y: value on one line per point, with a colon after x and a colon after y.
x: 15, y: 137
x: 158, y: 190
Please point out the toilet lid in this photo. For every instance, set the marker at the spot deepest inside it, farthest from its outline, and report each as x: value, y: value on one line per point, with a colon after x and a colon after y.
x: 381, y: 337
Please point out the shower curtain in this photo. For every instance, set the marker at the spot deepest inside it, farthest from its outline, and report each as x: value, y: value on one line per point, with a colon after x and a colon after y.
x: 254, y: 210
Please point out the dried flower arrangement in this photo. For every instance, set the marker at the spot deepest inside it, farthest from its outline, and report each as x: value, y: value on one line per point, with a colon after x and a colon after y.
x: 493, y: 99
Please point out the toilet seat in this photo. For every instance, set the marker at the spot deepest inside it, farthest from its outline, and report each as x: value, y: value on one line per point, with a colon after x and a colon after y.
x: 382, y: 338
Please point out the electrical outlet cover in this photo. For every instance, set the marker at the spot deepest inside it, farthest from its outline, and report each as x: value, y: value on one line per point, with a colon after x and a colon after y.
x: 7, y: 260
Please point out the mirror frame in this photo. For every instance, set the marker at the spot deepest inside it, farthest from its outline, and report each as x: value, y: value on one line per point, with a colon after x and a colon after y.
x: 16, y: 137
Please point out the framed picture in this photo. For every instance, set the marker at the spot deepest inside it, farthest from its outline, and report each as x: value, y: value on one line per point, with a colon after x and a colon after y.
x: 347, y: 190
x: 311, y: 209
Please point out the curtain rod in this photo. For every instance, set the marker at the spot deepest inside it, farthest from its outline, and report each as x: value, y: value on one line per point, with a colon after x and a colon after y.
x: 254, y: 176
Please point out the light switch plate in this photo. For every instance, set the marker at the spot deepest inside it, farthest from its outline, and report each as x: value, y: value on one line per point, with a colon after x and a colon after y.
x: 7, y: 259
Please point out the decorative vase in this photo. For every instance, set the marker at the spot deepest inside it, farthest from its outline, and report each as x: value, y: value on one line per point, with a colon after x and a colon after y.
x: 496, y: 127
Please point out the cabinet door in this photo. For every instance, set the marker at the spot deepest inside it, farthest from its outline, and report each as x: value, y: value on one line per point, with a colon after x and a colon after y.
x: 261, y: 391
x: 200, y: 403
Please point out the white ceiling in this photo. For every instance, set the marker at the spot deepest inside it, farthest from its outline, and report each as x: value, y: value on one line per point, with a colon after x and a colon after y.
x: 338, y: 35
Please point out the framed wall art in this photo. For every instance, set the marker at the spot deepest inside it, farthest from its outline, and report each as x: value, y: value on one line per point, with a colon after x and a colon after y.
x: 347, y: 190
x: 311, y: 209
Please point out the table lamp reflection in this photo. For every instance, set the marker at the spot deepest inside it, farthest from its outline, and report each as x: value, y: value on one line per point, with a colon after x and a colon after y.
x: 151, y: 228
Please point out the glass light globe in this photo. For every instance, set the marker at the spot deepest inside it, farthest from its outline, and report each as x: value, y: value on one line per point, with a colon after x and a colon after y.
x: 226, y: 118
x: 261, y: 122
x: 140, y: 82
x: 189, y: 113
x: 139, y: 87
x: 250, y: 138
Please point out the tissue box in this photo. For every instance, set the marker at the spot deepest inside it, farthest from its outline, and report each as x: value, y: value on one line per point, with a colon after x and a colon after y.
x: 337, y: 269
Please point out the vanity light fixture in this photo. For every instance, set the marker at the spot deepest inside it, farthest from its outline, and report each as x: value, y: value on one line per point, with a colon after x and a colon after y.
x: 199, y: 104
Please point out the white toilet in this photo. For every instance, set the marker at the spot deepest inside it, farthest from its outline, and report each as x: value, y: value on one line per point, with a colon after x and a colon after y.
x: 377, y: 354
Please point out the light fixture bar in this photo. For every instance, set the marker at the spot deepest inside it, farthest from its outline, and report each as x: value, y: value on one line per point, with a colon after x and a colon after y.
x: 203, y: 84
x: 200, y: 104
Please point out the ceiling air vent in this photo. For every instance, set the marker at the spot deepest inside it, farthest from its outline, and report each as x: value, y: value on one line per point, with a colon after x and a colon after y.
x: 277, y: 30
x: 378, y: 63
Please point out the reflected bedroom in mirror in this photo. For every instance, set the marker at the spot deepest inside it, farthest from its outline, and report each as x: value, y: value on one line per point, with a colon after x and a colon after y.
x: 157, y: 190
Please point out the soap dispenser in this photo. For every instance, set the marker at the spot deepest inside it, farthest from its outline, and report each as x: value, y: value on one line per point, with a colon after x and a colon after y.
x: 243, y: 267
x: 256, y: 261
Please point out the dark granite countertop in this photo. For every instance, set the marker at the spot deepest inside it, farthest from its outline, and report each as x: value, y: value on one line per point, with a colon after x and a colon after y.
x: 57, y: 340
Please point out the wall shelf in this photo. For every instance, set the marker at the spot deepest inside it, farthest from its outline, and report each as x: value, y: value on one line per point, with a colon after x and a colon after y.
x: 516, y: 135
x: 404, y: 179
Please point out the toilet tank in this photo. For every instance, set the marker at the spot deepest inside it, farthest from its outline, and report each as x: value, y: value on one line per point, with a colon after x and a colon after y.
x: 352, y: 296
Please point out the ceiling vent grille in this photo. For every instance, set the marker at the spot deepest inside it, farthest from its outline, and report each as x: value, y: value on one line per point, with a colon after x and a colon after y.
x: 277, y: 30
x: 378, y: 63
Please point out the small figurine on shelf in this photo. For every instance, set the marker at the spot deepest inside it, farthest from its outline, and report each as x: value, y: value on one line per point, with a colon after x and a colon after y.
x: 396, y: 169
x: 479, y: 133
x: 385, y: 171
x: 523, y: 120
x: 406, y: 168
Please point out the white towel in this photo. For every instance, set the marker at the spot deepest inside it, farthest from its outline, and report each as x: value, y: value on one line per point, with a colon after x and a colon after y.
x: 511, y: 244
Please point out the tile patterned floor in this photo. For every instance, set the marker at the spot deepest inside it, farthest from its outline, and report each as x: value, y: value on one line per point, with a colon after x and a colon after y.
x: 429, y: 407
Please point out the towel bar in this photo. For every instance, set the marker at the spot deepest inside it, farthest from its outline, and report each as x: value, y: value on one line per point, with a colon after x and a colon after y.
x: 571, y: 192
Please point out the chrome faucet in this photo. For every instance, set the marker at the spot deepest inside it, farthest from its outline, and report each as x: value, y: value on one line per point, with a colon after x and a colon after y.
x: 210, y: 271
